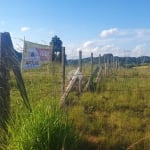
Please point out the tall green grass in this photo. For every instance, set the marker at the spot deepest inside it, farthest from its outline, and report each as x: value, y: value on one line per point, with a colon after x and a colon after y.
x: 113, y: 117
x: 47, y: 128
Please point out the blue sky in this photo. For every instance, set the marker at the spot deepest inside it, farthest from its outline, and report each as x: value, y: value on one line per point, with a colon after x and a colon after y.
x: 121, y: 27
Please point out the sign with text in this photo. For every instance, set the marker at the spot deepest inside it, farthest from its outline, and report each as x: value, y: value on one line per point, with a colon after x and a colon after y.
x: 34, y: 55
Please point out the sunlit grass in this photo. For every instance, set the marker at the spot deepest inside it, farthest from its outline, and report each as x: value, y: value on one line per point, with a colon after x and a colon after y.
x: 47, y: 127
x: 119, y: 110
x: 113, y: 117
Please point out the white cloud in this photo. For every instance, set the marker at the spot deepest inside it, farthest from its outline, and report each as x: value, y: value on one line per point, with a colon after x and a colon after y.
x: 88, y: 43
x: 119, y: 42
x: 138, y: 50
x: 24, y: 29
x: 125, y: 42
x: 108, y: 32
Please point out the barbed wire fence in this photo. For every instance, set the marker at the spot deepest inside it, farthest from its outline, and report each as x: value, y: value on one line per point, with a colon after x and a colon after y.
x: 57, y: 76
x: 57, y: 80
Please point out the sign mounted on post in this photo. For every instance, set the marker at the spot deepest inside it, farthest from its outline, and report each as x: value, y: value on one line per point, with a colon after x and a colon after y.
x: 34, y: 55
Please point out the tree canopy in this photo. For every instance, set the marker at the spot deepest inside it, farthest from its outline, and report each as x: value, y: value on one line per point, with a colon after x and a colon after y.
x: 56, y: 45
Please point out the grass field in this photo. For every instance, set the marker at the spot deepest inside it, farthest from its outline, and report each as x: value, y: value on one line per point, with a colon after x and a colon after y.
x: 114, y: 117
x: 117, y: 114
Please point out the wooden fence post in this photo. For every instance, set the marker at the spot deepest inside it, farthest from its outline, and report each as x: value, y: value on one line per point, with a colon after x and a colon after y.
x: 108, y: 64
x: 63, y: 69
x: 0, y: 49
x: 80, y: 70
x: 116, y: 63
x: 68, y: 88
x: 91, y: 63
x: 80, y: 61
x: 99, y: 61
x: 4, y: 86
x: 105, y: 66
x: 113, y: 64
x: 100, y: 70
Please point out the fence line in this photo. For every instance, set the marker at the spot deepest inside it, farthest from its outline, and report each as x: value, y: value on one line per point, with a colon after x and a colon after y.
x: 96, y: 72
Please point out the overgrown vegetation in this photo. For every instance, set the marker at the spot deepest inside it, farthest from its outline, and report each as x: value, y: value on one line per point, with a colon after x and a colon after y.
x: 113, y: 117
x: 117, y: 114
x: 47, y: 128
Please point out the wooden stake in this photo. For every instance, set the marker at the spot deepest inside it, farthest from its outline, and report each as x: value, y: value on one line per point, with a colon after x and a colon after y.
x: 99, y: 60
x: 63, y: 69
x: 68, y: 89
x: 80, y: 61
x: 80, y: 69
x: 91, y: 63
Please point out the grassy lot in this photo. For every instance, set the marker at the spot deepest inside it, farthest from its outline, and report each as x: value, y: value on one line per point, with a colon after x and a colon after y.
x: 118, y: 113
x: 113, y: 117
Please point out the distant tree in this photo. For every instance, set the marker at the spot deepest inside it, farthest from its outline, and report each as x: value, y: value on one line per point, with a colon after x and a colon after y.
x: 56, y: 45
